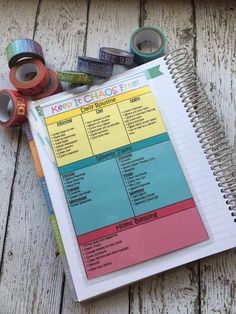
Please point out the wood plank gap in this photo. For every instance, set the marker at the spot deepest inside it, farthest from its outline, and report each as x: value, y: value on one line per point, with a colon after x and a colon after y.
x: 36, y: 17
x: 130, y: 295
x: 62, y: 293
x: 194, y: 50
x: 10, y: 201
x: 142, y: 13
x: 199, y: 287
x: 86, y: 29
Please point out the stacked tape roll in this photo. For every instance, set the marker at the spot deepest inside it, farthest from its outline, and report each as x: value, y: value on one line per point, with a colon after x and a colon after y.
x: 74, y: 77
x: 147, y: 34
x: 29, y: 77
x: 23, y: 48
x: 53, y: 86
x: 94, y: 67
x: 13, y: 108
x: 116, y: 56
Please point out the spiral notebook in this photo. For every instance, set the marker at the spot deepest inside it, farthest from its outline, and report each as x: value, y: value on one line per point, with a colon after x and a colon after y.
x: 139, y: 173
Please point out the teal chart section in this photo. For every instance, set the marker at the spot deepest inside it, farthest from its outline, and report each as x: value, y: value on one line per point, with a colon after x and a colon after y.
x: 126, y: 186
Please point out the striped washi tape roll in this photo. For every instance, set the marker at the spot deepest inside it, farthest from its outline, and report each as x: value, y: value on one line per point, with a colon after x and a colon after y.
x: 94, y: 66
x: 13, y: 108
x: 147, y: 34
x: 116, y: 56
x: 74, y: 77
x: 23, y: 48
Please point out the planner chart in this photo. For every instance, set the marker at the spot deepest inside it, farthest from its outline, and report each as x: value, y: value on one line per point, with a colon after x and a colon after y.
x: 126, y: 192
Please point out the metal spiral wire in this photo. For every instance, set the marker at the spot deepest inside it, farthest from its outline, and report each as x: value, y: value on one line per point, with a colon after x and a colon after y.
x: 206, y: 124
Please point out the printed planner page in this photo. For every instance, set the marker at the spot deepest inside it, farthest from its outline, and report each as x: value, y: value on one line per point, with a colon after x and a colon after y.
x: 126, y: 192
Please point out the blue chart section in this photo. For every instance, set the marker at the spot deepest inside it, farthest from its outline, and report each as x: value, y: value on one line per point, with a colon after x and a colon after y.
x: 112, y: 190
x: 97, y: 196
x: 153, y: 178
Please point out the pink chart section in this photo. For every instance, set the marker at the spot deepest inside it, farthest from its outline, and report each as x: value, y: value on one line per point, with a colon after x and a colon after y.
x: 146, y: 241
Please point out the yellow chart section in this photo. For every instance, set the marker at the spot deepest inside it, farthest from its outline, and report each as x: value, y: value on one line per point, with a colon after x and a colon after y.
x: 141, y: 117
x: 69, y: 140
x: 105, y: 129
x: 103, y: 126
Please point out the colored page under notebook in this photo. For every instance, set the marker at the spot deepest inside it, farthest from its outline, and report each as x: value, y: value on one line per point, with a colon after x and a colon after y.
x: 127, y: 195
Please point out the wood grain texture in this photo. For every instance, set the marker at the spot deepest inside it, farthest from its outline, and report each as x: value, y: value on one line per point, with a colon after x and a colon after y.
x: 216, y: 59
x: 174, y: 18
x: 31, y: 274
x: 63, y: 37
x: 109, y: 24
x: 162, y: 293
x: 61, y: 30
x: 216, y: 65
x: 12, y: 27
x: 31, y: 278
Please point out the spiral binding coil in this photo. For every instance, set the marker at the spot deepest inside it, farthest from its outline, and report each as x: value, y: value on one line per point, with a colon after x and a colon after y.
x: 206, y: 124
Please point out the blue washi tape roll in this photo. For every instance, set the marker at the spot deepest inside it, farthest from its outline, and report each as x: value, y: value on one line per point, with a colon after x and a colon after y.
x: 117, y: 56
x: 94, y: 66
x: 23, y: 48
x: 147, y: 34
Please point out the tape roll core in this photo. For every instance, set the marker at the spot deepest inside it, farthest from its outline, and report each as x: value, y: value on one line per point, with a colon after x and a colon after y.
x: 29, y: 77
x: 6, y: 107
x: 53, y: 87
x: 13, y: 108
x: 147, y: 34
x: 26, y: 69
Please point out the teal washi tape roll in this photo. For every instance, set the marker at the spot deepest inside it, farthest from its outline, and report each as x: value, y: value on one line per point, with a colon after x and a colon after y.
x: 147, y: 34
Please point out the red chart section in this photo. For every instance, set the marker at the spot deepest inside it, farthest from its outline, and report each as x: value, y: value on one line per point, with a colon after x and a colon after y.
x: 141, y: 238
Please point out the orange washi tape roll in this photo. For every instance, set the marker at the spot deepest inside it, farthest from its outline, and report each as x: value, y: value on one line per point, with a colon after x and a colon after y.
x: 53, y: 87
x: 29, y: 77
x: 13, y: 108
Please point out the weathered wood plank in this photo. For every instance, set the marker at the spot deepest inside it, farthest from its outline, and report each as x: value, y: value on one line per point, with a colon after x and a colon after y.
x: 110, y: 23
x: 216, y: 65
x: 35, y: 267
x: 216, y: 60
x: 174, y: 18
x: 175, y: 291
x: 31, y: 274
x: 12, y: 27
x: 61, y: 31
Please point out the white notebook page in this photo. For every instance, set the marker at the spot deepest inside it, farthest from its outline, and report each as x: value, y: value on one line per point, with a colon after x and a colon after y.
x: 203, y: 185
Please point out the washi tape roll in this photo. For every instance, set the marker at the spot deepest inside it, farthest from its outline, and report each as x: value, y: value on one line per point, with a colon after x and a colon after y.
x: 23, y: 48
x: 13, y: 108
x: 74, y: 77
x: 53, y: 87
x: 29, y: 77
x: 147, y: 34
x: 94, y: 66
x: 117, y: 56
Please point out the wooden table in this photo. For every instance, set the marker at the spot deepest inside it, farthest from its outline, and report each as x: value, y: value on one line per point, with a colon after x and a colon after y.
x: 31, y: 276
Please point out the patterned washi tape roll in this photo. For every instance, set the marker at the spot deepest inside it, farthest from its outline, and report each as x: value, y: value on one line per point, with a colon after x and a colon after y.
x: 117, y: 56
x: 13, y: 108
x: 23, y: 48
x: 29, y: 77
x: 74, y: 77
x: 94, y: 66
x: 53, y: 87
x: 147, y: 34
